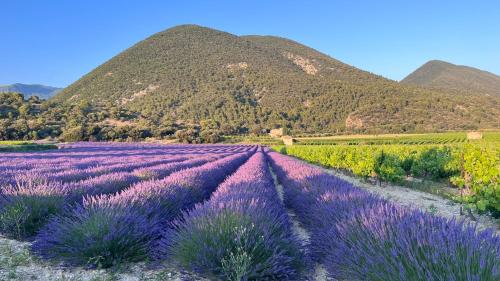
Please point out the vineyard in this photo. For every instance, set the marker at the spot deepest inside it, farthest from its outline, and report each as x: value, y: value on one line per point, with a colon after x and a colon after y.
x: 217, y: 211
x: 474, y: 168
x: 261, y: 140
x: 403, y: 139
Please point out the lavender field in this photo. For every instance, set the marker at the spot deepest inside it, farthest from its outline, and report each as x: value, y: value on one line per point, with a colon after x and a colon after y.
x: 216, y: 211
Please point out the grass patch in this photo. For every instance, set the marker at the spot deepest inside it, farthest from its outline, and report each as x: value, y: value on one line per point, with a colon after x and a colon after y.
x: 23, y: 215
x: 21, y: 146
x: 10, y: 258
x: 15, y: 142
x: 439, y: 188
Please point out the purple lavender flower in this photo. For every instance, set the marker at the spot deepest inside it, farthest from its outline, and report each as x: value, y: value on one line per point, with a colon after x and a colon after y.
x: 147, y: 207
x: 359, y: 236
x: 37, y: 190
x: 241, y: 233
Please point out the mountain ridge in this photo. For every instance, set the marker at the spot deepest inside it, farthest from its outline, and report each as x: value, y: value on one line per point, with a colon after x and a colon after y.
x: 190, y: 74
x: 445, y: 75
x: 28, y: 90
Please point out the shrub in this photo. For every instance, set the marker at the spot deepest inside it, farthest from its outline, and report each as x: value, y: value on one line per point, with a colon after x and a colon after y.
x: 389, y: 168
x: 236, y: 246
x: 72, y: 134
x: 386, y: 242
x: 432, y: 163
x: 25, y: 208
x: 210, y: 136
x: 481, y: 175
x: 96, y: 237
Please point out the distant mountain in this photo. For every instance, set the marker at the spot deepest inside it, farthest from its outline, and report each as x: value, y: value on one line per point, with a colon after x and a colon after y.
x: 189, y: 74
x: 444, y: 75
x: 27, y: 90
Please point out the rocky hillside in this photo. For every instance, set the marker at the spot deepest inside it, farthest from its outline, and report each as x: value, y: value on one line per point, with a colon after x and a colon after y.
x: 190, y: 74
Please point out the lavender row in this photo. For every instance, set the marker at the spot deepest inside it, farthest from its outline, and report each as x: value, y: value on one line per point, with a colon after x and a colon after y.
x: 25, y: 207
x: 69, y: 168
x: 72, y: 175
x: 126, y: 166
x: 105, y: 230
x: 359, y: 236
x: 62, y: 156
x: 242, y: 233
x: 69, y: 164
x: 23, y: 162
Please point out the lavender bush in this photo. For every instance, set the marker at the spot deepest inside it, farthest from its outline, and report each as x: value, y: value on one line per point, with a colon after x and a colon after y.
x: 27, y: 206
x: 394, y: 243
x: 241, y: 233
x: 96, y: 236
x: 34, y: 186
x: 359, y: 236
x: 131, y: 219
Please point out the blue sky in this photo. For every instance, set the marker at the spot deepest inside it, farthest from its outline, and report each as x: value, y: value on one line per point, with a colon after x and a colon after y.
x: 55, y: 42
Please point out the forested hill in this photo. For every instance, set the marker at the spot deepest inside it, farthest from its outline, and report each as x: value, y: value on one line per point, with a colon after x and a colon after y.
x: 29, y: 90
x: 444, y: 75
x: 189, y: 74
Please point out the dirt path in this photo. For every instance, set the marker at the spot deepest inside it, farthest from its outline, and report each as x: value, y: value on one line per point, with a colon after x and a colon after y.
x: 319, y: 273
